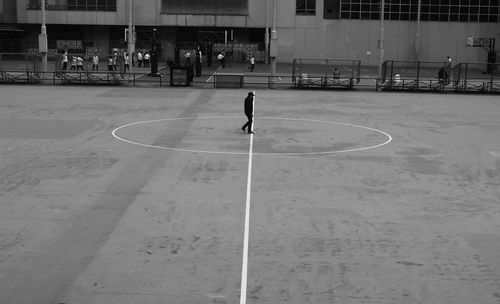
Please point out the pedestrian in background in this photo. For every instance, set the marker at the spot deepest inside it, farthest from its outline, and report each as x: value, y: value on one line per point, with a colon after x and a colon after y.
x: 199, y: 61
x: 220, y: 58
x: 95, y: 62
x: 115, y: 64
x: 79, y: 63
x: 252, y: 64
x: 126, y: 59
x: 110, y: 64
x: 139, y: 59
x: 65, y: 60
x: 73, y: 63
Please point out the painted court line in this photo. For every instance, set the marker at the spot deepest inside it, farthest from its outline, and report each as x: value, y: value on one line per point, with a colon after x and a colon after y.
x: 115, y: 131
x: 246, y: 235
x: 213, y: 74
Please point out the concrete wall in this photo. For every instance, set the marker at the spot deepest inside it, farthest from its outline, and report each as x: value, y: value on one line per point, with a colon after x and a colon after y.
x: 315, y: 37
x: 355, y: 39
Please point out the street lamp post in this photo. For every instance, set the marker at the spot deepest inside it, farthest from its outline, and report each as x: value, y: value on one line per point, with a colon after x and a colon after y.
x: 274, y: 47
x: 42, y: 41
x: 381, y: 41
x: 130, y: 37
x: 266, y: 58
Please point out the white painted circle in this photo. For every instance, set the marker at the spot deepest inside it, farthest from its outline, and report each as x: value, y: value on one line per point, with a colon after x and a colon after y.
x: 388, y: 136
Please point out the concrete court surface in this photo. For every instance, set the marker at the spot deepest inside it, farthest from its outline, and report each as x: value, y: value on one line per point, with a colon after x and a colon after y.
x: 338, y: 214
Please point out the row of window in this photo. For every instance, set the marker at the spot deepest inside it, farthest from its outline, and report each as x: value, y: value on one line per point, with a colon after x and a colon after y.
x: 430, y: 10
x: 77, y: 5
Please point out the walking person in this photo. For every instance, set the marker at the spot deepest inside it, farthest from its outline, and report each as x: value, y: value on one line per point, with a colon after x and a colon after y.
x: 249, y: 113
x: 220, y: 57
x: 79, y: 63
x: 252, y: 64
x: 73, y: 63
x: 95, y: 62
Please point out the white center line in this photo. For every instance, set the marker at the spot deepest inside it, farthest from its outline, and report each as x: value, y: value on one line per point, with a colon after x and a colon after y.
x: 244, y: 267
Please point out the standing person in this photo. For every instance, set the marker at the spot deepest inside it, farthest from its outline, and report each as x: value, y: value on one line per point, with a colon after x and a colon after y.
x: 95, y: 62
x: 139, y: 59
x: 73, y: 63
x: 336, y: 74
x: 220, y: 57
x: 223, y: 60
x: 79, y: 63
x: 126, y: 59
x: 252, y: 64
x: 249, y: 113
x: 115, y: 57
x: 198, y: 62
x: 448, y: 61
x: 65, y: 60
x: 146, y: 60
x: 110, y: 64
x: 188, y: 58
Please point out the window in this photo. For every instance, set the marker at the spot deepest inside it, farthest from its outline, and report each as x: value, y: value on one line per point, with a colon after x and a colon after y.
x: 305, y: 7
x: 430, y: 10
x: 204, y: 7
x: 332, y: 9
x: 75, y: 5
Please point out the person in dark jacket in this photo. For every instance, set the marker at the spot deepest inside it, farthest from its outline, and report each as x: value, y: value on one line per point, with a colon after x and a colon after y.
x: 249, y: 113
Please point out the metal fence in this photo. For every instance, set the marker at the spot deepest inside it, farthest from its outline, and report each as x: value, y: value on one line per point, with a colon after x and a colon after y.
x: 325, y: 73
x: 439, y: 77
x: 396, y: 76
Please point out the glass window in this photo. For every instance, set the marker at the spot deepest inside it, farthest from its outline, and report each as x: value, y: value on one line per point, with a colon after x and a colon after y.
x: 305, y: 7
x: 431, y: 10
x: 193, y: 7
x: 434, y: 17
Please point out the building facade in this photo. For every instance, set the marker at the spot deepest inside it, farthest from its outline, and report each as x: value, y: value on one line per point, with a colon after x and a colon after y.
x: 413, y: 29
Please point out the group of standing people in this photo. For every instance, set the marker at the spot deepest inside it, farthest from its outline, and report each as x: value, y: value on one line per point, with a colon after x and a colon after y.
x: 113, y: 61
x: 143, y: 59
x: 76, y: 62
x: 196, y: 69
